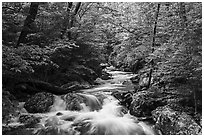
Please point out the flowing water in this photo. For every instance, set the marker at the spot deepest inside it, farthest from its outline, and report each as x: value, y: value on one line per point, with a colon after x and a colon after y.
x: 96, y: 117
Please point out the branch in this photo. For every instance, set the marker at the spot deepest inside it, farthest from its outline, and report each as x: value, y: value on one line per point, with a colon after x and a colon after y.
x: 85, y: 10
x: 109, y: 20
x: 8, y: 8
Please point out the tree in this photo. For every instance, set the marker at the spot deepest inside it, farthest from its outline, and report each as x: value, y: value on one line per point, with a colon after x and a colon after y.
x: 153, y: 44
x: 73, y: 18
x: 28, y: 23
x: 67, y: 19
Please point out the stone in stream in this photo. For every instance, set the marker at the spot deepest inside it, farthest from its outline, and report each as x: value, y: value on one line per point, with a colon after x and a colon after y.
x: 74, y: 85
x: 135, y: 79
x: 171, y: 122
x: 143, y: 103
x: 28, y: 120
x: 79, y: 101
x: 105, y: 75
x: 39, y: 103
x: 124, y: 97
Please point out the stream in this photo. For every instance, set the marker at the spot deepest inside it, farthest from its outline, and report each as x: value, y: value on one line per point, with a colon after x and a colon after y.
x: 96, y: 117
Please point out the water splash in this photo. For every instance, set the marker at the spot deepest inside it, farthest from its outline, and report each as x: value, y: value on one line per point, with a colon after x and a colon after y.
x: 109, y: 120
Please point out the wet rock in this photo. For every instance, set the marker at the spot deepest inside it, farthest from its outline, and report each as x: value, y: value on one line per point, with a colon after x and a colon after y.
x: 112, y: 68
x: 73, y: 101
x: 76, y: 102
x: 117, y: 95
x: 29, y: 121
x: 171, y: 122
x: 144, y: 79
x: 74, y: 85
x: 9, y: 108
x: 137, y: 65
x: 135, y: 79
x: 125, y: 98
x: 99, y: 81
x: 105, y: 76
x: 86, y: 73
x: 104, y: 65
x: 59, y: 114
x: 143, y: 103
x: 146, y: 101
x: 17, y: 130
x: 39, y: 103
x: 100, y: 96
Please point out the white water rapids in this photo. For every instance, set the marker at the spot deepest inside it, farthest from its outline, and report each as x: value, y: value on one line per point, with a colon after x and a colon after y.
x: 96, y: 118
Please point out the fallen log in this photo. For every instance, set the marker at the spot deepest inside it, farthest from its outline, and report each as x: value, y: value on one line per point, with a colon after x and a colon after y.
x: 34, y: 86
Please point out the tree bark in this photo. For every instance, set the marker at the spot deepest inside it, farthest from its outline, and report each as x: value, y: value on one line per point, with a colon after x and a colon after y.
x: 153, y: 44
x: 73, y: 18
x: 67, y: 19
x: 27, y: 28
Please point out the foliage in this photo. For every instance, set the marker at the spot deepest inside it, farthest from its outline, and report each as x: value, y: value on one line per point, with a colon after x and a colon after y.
x: 25, y: 58
x: 119, y: 33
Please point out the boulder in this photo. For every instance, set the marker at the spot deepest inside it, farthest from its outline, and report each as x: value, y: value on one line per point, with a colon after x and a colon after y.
x: 84, y: 72
x: 99, y: 81
x: 135, y: 79
x: 171, y: 122
x: 144, y: 79
x: 105, y: 76
x: 80, y: 101
x: 125, y: 98
x: 143, y: 103
x: 39, y: 103
x: 29, y: 120
x: 147, y: 100
x: 9, y: 109
x: 73, y: 101
x: 137, y: 65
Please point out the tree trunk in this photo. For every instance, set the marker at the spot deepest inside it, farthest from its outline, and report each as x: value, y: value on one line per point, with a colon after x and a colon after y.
x: 67, y: 19
x: 153, y: 44
x: 183, y: 14
x: 72, y: 19
x: 27, y: 28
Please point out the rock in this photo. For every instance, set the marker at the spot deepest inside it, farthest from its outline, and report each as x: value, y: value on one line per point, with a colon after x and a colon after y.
x: 137, y: 65
x: 147, y: 100
x: 143, y: 82
x: 135, y: 79
x: 74, y: 85
x: 171, y: 122
x: 104, y: 65
x: 111, y: 68
x: 127, y: 82
x: 9, y: 107
x: 28, y: 120
x: 80, y: 101
x: 125, y: 98
x: 73, y: 101
x: 99, y: 81
x: 117, y: 95
x: 17, y: 130
x: 39, y: 103
x: 143, y: 103
x: 86, y: 73
x: 105, y: 76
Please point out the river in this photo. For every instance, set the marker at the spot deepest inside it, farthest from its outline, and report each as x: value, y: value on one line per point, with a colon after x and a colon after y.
x: 96, y: 117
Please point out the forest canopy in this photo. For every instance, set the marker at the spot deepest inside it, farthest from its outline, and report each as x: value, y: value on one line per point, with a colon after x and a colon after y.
x: 53, y: 44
